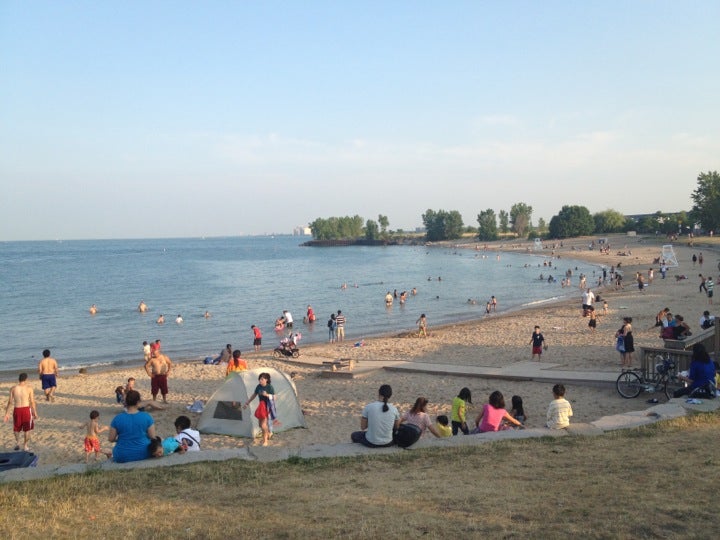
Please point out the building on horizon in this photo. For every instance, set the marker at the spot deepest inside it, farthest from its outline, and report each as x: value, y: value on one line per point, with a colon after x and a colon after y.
x: 301, y: 230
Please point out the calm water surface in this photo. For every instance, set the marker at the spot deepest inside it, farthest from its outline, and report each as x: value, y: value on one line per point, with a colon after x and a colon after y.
x: 46, y: 289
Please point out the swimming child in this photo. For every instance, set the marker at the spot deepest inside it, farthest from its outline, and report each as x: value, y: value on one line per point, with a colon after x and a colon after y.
x: 92, y: 440
x: 459, y: 410
x: 443, y: 426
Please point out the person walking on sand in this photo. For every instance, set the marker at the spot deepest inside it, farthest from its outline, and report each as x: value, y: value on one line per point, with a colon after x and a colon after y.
x: 158, y: 369
x: 422, y: 326
x: 710, y: 289
x: 265, y: 393
x: 92, y: 440
x: 48, y: 370
x: 537, y: 340
x: 24, y: 413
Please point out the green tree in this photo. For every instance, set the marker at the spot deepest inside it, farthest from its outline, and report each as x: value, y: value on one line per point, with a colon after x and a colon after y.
x: 609, y: 221
x: 442, y: 225
x: 384, y: 223
x: 487, y: 225
x: 504, y: 221
x: 646, y: 225
x: 706, y: 201
x: 520, y: 217
x: 542, y: 226
x: 335, y: 228
x: 572, y: 221
x: 371, y: 230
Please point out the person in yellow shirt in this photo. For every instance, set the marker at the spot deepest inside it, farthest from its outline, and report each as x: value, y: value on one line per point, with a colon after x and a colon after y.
x: 443, y: 426
x: 459, y: 409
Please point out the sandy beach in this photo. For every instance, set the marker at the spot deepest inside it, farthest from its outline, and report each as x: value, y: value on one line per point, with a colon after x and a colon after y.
x: 332, y: 406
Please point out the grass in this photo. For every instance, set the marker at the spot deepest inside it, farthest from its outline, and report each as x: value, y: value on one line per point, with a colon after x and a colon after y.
x: 658, y: 481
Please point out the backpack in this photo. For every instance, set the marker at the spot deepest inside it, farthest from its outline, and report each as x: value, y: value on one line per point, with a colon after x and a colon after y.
x: 406, y: 435
x: 330, y: 323
x: 667, y: 333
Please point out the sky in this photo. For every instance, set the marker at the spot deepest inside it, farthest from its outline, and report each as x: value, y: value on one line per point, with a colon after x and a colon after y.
x: 145, y: 119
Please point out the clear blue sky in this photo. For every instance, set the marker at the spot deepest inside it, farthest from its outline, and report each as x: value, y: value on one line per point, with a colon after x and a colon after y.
x: 154, y: 118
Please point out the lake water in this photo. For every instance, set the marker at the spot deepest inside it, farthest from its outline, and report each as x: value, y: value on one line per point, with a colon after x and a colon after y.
x: 46, y: 289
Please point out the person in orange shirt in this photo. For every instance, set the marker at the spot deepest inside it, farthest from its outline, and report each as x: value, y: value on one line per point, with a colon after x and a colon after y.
x: 237, y: 363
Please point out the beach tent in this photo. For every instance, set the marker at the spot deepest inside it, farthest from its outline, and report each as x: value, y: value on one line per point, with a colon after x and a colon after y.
x: 224, y: 415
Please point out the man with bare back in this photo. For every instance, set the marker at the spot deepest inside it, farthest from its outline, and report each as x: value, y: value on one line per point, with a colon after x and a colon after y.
x: 48, y: 370
x: 24, y: 411
x: 158, y: 369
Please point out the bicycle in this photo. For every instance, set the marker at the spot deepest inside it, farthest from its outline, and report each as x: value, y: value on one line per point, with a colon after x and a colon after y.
x: 631, y: 383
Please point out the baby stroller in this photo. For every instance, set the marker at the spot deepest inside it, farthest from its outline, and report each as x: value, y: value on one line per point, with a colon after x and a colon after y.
x: 288, y: 346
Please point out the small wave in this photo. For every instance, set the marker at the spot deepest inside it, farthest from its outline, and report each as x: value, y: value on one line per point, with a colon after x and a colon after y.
x: 545, y: 301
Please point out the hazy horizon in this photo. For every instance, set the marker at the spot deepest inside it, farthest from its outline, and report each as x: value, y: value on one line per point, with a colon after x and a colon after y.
x: 177, y: 119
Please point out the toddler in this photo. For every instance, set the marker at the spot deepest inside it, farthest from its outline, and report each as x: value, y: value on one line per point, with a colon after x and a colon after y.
x: 518, y: 411
x: 92, y: 441
x: 443, y: 426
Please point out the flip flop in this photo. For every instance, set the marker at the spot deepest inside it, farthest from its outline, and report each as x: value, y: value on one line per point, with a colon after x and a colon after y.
x: 653, y: 400
x: 17, y: 448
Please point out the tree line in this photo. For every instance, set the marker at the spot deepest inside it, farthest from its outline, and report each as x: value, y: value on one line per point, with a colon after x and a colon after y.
x: 570, y: 221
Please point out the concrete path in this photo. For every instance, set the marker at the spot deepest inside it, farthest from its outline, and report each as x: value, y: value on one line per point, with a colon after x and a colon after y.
x: 535, y: 371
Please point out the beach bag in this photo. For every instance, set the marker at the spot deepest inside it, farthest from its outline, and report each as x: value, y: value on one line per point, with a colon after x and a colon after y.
x: 407, y: 435
x: 620, y: 344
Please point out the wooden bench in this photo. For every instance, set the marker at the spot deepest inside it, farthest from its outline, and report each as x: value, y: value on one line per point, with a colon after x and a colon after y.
x: 706, y: 337
x: 341, y: 369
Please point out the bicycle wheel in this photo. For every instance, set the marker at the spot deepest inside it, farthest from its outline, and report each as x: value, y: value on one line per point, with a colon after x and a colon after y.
x: 629, y: 384
x: 671, y: 384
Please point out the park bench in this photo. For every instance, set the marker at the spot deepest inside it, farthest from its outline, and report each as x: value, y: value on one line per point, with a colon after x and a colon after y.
x: 341, y: 368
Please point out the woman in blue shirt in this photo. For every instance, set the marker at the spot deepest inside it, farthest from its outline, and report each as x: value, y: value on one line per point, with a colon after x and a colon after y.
x: 132, y: 431
x: 702, y: 371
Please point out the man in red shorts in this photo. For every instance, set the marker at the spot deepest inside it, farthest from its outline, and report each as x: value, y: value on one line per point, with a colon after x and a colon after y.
x: 24, y: 413
x: 158, y: 369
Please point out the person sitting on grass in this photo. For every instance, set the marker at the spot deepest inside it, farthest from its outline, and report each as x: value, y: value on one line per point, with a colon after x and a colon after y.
x: 559, y: 411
